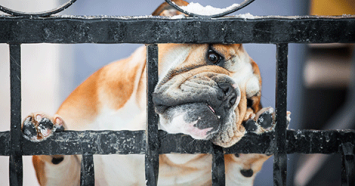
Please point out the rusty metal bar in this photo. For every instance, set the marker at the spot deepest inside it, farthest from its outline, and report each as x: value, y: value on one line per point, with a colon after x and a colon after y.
x: 71, y: 142
x: 280, y: 152
x: 152, y: 143
x: 348, y: 164
x: 218, y: 169
x: 96, y: 29
x: 16, y: 172
x: 87, y: 173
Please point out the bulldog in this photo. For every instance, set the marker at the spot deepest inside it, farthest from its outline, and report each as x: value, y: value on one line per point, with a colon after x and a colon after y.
x: 208, y: 91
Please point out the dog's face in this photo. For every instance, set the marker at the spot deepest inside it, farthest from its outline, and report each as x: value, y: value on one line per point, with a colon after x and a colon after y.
x: 206, y: 91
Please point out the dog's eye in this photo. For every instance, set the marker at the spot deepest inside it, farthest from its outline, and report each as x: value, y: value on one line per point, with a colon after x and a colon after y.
x: 213, y: 57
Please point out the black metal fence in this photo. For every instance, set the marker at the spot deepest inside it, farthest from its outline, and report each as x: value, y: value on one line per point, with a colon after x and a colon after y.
x: 43, y: 28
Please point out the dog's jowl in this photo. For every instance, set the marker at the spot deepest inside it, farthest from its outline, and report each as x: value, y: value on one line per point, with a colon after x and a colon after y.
x: 208, y: 91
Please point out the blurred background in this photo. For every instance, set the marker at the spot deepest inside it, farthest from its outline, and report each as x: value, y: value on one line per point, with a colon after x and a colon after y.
x: 319, y: 76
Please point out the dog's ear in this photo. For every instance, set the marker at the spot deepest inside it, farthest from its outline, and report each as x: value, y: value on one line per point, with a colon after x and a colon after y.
x: 166, y: 10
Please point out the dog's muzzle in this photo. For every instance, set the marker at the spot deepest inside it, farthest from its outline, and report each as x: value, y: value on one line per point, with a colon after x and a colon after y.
x: 199, y: 111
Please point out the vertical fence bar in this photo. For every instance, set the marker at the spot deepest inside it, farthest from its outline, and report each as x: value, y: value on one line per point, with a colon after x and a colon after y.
x: 87, y: 174
x: 16, y: 172
x: 280, y: 154
x: 348, y: 163
x: 218, y: 170
x: 153, y: 144
x: 344, y: 181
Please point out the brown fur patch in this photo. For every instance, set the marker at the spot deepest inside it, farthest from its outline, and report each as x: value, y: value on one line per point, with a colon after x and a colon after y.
x: 112, y: 85
x: 227, y: 50
x: 82, y: 104
x: 242, y: 107
x: 117, y: 83
x: 39, y: 167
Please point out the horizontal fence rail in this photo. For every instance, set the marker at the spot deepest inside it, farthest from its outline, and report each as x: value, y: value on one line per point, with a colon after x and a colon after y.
x: 150, y: 30
x: 134, y: 142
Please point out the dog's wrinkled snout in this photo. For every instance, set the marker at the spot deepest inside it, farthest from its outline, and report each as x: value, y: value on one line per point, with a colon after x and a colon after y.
x: 199, y: 106
x: 227, y: 94
x: 159, y: 103
x: 220, y: 97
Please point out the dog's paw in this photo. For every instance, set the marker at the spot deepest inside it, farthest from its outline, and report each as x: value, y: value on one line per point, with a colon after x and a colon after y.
x: 38, y: 127
x: 264, y: 121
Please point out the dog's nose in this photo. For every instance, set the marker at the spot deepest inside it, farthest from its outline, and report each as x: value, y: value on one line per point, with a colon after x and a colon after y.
x: 227, y: 94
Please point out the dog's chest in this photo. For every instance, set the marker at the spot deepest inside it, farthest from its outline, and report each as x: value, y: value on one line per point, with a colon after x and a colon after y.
x: 119, y: 169
x: 129, y: 117
x: 129, y: 170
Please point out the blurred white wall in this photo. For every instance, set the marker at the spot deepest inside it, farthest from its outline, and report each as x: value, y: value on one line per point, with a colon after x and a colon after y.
x: 40, y: 82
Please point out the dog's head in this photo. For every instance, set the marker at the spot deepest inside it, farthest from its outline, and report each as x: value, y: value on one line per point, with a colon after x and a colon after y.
x: 206, y: 90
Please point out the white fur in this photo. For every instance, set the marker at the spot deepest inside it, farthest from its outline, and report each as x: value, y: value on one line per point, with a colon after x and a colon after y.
x: 237, y: 179
x: 59, y: 175
x: 138, y: 56
x: 252, y: 86
x: 122, y: 169
x: 181, y: 159
x: 122, y: 119
x: 204, y: 165
x: 243, y: 74
x: 119, y: 170
x: 179, y: 125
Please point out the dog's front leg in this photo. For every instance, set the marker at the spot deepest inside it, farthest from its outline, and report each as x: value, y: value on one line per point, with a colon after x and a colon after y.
x: 50, y: 169
x: 263, y: 121
x: 241, y: 169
